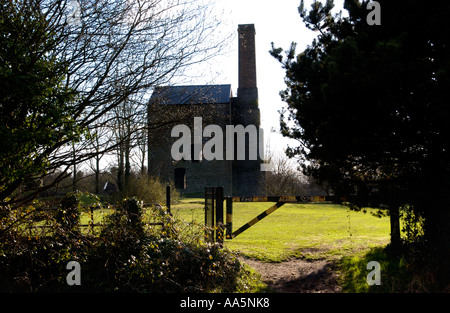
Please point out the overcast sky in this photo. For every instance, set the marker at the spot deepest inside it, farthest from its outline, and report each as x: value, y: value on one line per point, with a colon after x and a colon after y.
x: 275, y: 21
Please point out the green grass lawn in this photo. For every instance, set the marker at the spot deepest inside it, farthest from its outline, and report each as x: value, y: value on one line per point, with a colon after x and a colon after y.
x: 298, y: 230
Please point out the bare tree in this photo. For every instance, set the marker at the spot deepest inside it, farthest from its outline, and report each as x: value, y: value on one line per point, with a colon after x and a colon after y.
x: 284, y: 179
x: 98, y: 137
x: 110, y: 52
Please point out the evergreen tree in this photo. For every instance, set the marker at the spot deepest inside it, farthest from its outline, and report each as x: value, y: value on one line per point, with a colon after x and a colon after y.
x: 35, y: 105
x: 369, y: 106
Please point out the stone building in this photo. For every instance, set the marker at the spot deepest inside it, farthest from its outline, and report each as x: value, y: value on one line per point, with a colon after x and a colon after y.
x: 214, y: 104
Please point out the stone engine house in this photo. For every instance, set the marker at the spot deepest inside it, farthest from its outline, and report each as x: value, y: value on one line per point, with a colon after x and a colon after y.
x: 215, y: 104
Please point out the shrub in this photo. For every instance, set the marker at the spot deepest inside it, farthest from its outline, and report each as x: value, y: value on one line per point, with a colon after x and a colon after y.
x: 38, y: 264
x: 159, y: 262
x: 413, y: 224
x: 146, y: 188
x: 68, y: 214
x: 133, y: 211
x: 126, y: 256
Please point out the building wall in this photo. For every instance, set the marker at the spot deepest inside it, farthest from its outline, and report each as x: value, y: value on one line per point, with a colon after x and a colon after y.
x: 198, y: 174
x: 238, y: 177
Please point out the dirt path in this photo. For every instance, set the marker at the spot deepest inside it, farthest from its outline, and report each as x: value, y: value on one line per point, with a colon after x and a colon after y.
x: 298, y: 276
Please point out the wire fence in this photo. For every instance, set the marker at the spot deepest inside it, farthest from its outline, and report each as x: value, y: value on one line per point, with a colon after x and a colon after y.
x: 40, y: 221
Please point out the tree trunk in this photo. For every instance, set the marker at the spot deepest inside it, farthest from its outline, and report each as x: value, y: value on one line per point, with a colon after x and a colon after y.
x: 120, y: 169
x: 97, y: 175
x: 127, y: 154
x: 74, y: 163
x: 395, y: 227
x: 437, y: 229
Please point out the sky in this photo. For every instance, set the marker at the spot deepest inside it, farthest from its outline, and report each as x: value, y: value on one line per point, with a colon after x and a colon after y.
x: 275, y: 21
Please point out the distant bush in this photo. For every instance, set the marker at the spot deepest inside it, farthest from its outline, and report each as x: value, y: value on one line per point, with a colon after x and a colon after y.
x: 146, y: 188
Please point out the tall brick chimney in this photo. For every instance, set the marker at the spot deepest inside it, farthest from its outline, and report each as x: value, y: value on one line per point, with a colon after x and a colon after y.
x: 247, y: 89
x: 246, y: 173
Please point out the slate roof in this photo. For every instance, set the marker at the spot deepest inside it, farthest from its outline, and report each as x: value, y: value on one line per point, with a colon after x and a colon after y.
x: 199, y: 94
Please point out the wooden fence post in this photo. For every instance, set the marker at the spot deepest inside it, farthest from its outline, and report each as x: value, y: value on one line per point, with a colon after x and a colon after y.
x: 209, y: 213
x: 92, y: 219
x: 219, y: 215
x: 229, y: 227
x: 168, y: 199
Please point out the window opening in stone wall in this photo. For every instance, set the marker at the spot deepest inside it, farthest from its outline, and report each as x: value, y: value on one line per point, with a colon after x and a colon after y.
x: 180, y: 178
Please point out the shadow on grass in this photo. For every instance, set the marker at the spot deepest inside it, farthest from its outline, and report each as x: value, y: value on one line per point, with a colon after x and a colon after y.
x: 405, y: 272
